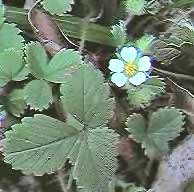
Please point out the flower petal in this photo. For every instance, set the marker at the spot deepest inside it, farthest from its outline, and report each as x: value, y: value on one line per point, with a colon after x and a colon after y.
x: 116, y: 65
x: 138, y: 79
x: 119, y: 79
x: 144, y: 63
x: 129, y: 54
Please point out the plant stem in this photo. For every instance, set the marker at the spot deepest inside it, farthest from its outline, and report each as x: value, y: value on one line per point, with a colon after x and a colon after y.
x: 60, y: 178
x: 176, y: 75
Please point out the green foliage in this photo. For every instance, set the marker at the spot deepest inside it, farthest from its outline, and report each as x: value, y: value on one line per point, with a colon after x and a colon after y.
x: 15, y: 102
x: 145, y: 93
x: 163, y: 126
x: 135, y: 7
x: 38, y: 94
x: 119, y: 33
x: 87, y: 97
x: 42, y: 144
x: 2, y: 12
x: 58, y: 7
x: 144, y: 43
x: 54, y: 71
x: 12, y: 66
x: 10, y: 38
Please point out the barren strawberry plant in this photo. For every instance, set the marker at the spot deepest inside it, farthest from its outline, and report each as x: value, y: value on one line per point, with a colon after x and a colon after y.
x: 97, y: 95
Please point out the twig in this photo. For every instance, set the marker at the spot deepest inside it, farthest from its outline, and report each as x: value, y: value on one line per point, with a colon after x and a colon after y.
x: 177, y: 75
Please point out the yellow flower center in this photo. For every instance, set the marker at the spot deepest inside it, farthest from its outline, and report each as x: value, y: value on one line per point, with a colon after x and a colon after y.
x: 130, y: 69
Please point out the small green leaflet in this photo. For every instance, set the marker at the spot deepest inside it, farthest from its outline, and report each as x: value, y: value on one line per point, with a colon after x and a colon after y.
x: 135, y: 7
x: 163, y: 126
x: 12, y: 66
x: 38, y: 94
x: 15, y: 102
x: 119, y: 33
x: 145, y: 93
x: 10, y: 38
x: 54, y: 71
x: 144, y: 43
x: 42, y: 144
x: 58, y: 7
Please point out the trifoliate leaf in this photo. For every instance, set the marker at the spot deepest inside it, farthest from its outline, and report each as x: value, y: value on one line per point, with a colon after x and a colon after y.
x: 55, y: 70
x: 10, y: 38
x: 15, y: 102
x: 119, y: 33
x: 12, y: 66
x: 144, y: 43
x: 38, y: 94
x: 58, y: 7
x: 86, y: 97
x: 163, y: 126
x: 42, y: 144
x: 135, y: 7
x: 142, y: 94
x: 2, y: 12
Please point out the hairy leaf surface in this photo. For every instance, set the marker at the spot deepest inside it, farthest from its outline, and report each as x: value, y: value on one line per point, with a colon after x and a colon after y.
x: 10, y: 37
x: 38, y: 94
x: 163, y: 126
x: 53, y: 71
x: 15, y: 102
x: 58, y: 7
x: 12, y: 66
x: 145, y: 93
x: 42, y: 144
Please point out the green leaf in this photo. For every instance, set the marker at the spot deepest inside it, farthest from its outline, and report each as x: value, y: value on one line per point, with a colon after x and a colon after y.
x: 58, y: 7
x: 10, y: 38
x: 2, y: 12
x: 15, y: 102
x: 144, y: 43
x: 86, y: 96
x: 54, y: 71
x: 62, y: 63
x: 93, y: 157
x: 12, y: 66
x: 36, y: 59
x: 135, y: 7
x: 42, y: 144
x: 163, y: 126
x: 38, y: 94
x: 139, y: 95
x: 119, y: 33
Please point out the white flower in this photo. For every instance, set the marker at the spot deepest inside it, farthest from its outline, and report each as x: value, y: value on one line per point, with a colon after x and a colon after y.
x: 132, y: 67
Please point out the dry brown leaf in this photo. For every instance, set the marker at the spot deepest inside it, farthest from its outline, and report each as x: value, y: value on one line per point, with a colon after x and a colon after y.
x: 47, y: 31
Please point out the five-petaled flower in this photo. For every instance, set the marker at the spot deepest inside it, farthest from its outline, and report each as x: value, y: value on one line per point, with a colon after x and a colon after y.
x: 131, y: 66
